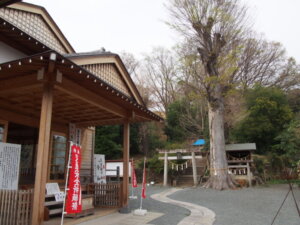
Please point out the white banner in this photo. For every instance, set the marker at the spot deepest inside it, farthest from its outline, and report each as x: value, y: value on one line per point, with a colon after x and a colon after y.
x: 99, y: 169
x: 9, y: 166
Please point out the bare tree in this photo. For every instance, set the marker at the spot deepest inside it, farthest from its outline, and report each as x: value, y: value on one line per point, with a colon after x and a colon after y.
x: 130, y: 62
x: 160, y: 72
x: 288, y: 76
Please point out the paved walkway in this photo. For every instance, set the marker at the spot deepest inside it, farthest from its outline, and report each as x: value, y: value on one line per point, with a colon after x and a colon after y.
x: 124, y: 219
x: 199, y: 215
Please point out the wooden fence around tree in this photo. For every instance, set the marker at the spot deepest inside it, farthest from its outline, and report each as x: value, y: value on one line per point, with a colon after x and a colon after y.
x: 106, y: 195
x: 16, y: 207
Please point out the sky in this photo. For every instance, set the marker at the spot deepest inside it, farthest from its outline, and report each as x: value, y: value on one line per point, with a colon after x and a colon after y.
x: 136, y: 26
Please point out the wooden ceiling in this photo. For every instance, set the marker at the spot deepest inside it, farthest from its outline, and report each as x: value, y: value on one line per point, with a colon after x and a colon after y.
x: 79, y: 96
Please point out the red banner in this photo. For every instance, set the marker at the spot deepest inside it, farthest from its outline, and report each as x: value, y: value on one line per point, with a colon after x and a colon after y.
x: 73, y: 203
x: 133, y: 176
x: 144, y: 181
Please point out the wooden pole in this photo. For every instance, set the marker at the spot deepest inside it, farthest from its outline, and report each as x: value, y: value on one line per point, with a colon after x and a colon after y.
x: 42, y: 156
x: 194, y: 169
x: 166, y: 169
x: 126, y: 132
x: 249, y: 175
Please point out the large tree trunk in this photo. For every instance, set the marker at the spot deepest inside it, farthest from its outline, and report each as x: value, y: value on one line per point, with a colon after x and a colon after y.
x: 219, y: 177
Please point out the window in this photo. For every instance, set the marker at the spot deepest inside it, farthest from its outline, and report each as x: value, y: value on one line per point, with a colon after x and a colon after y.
x: 58, y: 157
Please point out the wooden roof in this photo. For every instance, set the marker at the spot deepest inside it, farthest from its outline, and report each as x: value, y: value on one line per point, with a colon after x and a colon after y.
x: 79, y: 96
x: 47, y: 26
x: 241, y: 147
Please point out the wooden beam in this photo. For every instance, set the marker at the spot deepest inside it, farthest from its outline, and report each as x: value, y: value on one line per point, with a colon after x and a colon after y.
x: 183, y: 157
x: 79, y: 92
x: 19, y: 83
x: 26, y: 120
x: 126, y: 134
x: 195, y: 149
x: 42, y: 156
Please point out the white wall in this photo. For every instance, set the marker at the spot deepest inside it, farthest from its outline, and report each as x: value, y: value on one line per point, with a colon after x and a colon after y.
x: 8, y: 53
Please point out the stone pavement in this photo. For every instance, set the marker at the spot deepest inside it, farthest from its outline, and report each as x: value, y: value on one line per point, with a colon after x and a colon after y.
x: 124, y: 219
x: 199, y: 215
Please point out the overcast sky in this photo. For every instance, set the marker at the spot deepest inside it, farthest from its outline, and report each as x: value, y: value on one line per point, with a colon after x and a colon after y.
x: 138, y: 25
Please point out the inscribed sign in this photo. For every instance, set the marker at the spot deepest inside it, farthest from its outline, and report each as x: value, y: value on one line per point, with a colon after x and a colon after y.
x: 9, y: 166
x: 74, y: 134
x: 73, y: 204
x: 99, y: 169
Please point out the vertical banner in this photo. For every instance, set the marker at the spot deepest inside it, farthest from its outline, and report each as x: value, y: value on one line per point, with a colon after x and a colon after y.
x: 9, y: 166
x: 99, y: 169
x: 133, y: 176
x: 144, y: 181
x: 73, y: 203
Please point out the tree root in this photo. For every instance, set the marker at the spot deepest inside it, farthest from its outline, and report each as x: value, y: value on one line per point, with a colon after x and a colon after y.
x: 221, y: 182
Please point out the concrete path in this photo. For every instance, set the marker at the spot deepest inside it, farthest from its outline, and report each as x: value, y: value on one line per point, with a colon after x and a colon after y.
x: 199, y: 215
x: 124, y: 219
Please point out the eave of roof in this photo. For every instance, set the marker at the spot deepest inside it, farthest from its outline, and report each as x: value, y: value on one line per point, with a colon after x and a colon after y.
x: 241, y: 147
x: 91, y: 78
x: 103, y: 53
x: 17, y: 35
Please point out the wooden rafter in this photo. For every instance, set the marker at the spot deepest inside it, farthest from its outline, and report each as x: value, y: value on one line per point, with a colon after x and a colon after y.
x: 81, y: 93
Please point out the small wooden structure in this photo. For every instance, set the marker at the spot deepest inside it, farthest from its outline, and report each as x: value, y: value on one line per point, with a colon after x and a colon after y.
x: 45, y: 86
x: 239, y: 157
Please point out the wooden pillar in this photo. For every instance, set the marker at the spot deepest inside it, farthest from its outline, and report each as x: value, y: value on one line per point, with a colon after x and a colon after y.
x: 194, y: 169
x: 42, y: 156
x: 126, y: 134
x: 249, y: 175
x: 166, y: 169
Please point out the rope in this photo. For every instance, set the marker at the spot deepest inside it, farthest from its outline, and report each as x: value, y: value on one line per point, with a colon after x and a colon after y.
x: 280, y: 206
x: 291, y: 188
x: 297, y: 207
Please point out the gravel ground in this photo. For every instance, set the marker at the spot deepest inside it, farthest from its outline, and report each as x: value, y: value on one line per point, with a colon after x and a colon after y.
x: 248, y: 206
x: 173, y: 214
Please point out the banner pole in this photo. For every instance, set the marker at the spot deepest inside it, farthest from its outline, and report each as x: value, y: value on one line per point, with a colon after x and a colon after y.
x: 66, y: 184
x: 131, y: 177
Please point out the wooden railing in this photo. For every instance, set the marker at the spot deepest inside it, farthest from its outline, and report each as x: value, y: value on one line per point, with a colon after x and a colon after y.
x: 106, y: 195
x: 16, y: 207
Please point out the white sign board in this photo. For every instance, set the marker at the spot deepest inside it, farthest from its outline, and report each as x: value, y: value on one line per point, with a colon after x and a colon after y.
x: 99, y: 169
x: 60, y: 196
x: 52, y: 188
x: 112, y: 167
x: 9, y: 166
